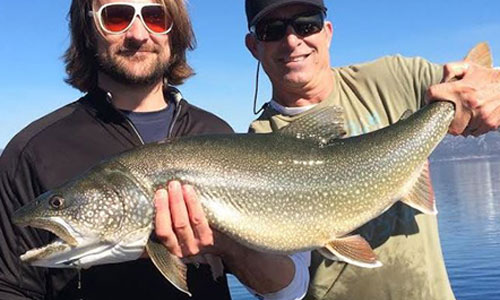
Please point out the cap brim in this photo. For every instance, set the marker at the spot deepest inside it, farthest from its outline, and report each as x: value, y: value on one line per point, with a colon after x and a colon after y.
x: 272, y: 7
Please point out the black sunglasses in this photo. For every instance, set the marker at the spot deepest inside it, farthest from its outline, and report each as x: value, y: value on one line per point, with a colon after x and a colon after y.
x: 304, y: 24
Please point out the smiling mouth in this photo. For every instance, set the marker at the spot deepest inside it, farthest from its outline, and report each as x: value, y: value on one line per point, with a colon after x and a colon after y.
x: 134, y: 53
x: 294, y: 59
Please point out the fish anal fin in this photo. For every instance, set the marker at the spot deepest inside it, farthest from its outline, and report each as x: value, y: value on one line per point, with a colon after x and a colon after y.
x: 321, y: 126
x: 421, y: 195
x: 481, y: 55
x: 174, y: 270
x: 353, y: 249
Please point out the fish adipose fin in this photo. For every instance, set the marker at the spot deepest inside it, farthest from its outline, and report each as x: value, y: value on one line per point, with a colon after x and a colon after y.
x: 169, y: 265
x: 352, y: 249
x: 322, y: 126
x: 421, y: 196
x: 406, y: 115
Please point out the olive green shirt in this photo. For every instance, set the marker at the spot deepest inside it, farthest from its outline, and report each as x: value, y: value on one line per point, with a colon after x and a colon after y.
x: 374, y: 95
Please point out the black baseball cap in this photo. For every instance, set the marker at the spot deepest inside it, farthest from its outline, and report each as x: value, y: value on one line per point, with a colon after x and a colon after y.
x: 256, y: 9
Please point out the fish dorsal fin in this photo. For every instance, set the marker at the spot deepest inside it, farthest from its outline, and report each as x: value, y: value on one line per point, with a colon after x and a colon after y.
x: 352, y: 249
x: 174, y: 270
x: 421, y: 195
x: 322, y: 126
x: 481, y: 55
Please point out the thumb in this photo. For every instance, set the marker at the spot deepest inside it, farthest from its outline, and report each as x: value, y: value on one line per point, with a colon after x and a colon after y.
x: 454, y: 71
x: 448, y: 91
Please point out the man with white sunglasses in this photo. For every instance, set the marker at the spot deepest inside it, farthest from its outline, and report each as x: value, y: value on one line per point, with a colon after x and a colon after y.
x: 291, y: 39
x: 126, y: 56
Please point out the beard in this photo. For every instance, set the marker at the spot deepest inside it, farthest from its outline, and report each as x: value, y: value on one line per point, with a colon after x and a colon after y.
x: 122, y: 66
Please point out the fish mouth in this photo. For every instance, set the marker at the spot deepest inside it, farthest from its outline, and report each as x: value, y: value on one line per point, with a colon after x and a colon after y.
x: 37, y: 255
x: 75, y: 249
x: 56, y: 226
x: 45, y: 255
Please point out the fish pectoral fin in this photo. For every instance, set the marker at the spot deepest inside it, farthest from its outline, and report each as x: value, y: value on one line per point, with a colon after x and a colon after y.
x: 322, y: 126
x: 421, y: 196
x: 352, y: 249
x: 174, y: 270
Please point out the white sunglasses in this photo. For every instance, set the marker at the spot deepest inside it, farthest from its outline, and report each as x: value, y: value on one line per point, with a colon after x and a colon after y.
x: 118, y: 17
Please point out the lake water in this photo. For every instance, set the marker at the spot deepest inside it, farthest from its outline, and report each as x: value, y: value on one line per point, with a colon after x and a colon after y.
x: 468, y: 199
x: 468, y: 195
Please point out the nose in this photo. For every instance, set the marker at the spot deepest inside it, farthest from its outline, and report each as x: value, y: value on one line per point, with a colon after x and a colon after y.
x: 291, y: 38
x: 137, y: 31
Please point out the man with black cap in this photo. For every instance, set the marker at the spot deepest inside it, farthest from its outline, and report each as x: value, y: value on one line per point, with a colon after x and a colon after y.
x: 126, y: 56
x: 291, y: 39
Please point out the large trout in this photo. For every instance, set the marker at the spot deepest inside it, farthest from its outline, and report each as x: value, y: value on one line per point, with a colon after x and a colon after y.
x: 299, y: 189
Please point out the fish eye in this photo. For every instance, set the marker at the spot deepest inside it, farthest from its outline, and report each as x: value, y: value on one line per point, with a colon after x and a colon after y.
x: 56, y: 202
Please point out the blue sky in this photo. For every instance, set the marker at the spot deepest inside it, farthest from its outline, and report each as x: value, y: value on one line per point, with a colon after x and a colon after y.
x: 31, y: 71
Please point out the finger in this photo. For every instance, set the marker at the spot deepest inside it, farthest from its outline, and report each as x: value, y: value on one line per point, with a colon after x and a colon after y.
x: 462, y: 118
x: 197, y: 217
x: 488, y: 93
x: 486, y: 119
x: 180, y: 220
x: 461, y: 96
x: 485, y: 113
x: 163, y: 223
x: 455, y: 70
x: 452, y: 93
x: 493, y: 122
x: 441, y: 91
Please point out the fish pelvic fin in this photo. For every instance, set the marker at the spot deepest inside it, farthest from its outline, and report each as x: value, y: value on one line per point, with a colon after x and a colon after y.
x: 421, y: 195
x: 481, y: 55
x: 353, y: 249
x: 321, y: 126
x: 174, y: 270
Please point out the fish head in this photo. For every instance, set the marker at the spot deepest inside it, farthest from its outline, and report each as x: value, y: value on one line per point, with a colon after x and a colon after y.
x: 90, y: 215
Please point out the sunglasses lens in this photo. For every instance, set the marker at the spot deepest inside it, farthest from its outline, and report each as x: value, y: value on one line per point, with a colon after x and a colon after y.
x: 308, y: 25
x: 155, y: 18
x: 303, y: 25
x: 270, y: 30
x: 116, y: 18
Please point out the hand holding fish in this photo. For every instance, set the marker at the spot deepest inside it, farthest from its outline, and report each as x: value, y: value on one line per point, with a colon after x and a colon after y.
x: 182, y: 227
x: 476, y: 95
x: 180, y: 222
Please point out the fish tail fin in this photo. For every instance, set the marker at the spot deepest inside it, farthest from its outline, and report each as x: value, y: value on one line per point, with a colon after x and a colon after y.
x: 421, y: 195
x: 174, y: 270
x: 352, y: 249
x: 481, y: 54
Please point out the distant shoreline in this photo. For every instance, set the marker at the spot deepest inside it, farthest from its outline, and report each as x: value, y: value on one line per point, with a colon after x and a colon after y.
x: 464, y: 158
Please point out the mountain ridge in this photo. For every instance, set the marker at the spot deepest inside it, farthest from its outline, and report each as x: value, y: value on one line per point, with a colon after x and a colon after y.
x: 458, y: 147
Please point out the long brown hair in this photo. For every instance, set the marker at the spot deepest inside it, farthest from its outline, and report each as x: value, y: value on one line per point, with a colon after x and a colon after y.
x: 81, y: 64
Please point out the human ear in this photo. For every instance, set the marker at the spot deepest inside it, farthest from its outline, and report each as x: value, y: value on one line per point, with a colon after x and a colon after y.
x: 251, y: 44
x: 329, y: 32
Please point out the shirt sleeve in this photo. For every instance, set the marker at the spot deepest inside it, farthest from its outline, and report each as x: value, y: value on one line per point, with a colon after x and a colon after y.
x: 18, y: 187
x: 297, y: 288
